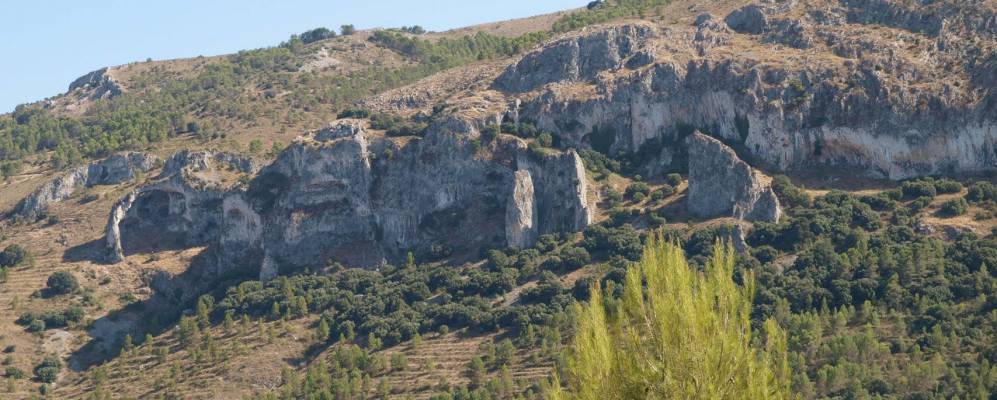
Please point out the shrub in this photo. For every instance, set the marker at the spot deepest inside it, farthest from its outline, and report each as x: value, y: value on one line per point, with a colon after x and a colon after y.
x: 947, y: 186
x: 638, y: 188
x: 981, y: 191
x: 490, y: 132
x: 353, y: 113
x: 790, y: 195
x: 919, y: 188
x: 954, y: 207
x: 13, y: 256
x: 62, y: 282
x: 545, y: 139
x: 673, y: 179
x: 317, y: 34
x: 48, y: 370
x: 347, y: 30
x: 13, y: 372
x: 36, y: 326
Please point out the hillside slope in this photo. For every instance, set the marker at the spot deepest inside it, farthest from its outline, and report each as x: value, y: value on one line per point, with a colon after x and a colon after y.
x: 393, y: 214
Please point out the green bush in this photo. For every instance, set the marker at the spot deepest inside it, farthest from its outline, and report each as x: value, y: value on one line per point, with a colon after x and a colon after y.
x: 981, y: 191
x: 954, y: 207
x: 316, y: 34
x: 13, y: 372
x: 62, y: 282
x: 790, y: 195
x: 918, y: 188
x: 545, y: 139
x: 48, y: 370
x: 673, y: 179
x: 13, y: 256
x: 947, y: 186
x: 636, y: 188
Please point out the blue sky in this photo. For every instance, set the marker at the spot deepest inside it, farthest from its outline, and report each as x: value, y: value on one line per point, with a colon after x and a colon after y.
x: 48, y: 43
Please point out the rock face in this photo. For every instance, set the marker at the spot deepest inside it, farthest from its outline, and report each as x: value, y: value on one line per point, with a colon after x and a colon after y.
x: 721, y: 185
x: 181, y: 208
x: 578, y: 58
x: 97, y: 84
x: 521, y: 212
x: 341, y: 194
x: 799, y: 85
x: 560, y: 191
x: 109, y: 171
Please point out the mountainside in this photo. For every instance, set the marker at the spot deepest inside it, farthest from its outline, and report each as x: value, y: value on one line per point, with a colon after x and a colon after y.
x: 395, y: 213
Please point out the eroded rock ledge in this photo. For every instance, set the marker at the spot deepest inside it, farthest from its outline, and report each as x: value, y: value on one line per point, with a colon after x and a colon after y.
x: 346, y: 195
x: 109, y: 171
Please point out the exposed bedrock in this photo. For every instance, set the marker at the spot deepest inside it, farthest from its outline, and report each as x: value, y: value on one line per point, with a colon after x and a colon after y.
x: 97, y: 84
x: 342, y: 195
x: 181, y: 207
x: 521, y: 212
x: 115, y: 169
x: 869, y: 109
x: 721, y: 185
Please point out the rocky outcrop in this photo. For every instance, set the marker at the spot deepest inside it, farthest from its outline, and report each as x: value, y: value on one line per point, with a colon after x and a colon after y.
x: 796, y: 86
x: 341, y: 194
x: 97, y: 84
x: 109, y: 171
x: 574, y: 59
x: 560, y: 191
x: 521, y: 212
x: 182, y: 207
x: 721, y: 185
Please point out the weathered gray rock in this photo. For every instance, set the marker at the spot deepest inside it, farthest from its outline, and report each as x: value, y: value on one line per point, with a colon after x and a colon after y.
x: 871, y: 110
x: 521, y: 212
x: 97, y: 84
x: 115, y: 169
x: 560, y: 190
x: 747, y: 19
x: 342, y: 195
x: 576, y: 58
x: 182, y: 207
x: 721, y: 185
x: 340, y: 129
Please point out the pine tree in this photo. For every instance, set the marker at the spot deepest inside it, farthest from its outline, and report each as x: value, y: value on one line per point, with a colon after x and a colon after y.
x: 677, y: 333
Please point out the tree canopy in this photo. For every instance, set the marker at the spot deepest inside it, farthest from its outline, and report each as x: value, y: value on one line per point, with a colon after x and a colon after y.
x: 675, y: 333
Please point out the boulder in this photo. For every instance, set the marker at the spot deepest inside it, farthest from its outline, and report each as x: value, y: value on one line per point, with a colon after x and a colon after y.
x: 721, y: 185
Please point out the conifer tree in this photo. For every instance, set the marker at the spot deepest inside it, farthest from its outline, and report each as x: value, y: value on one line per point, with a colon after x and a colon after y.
x: 675, y: 334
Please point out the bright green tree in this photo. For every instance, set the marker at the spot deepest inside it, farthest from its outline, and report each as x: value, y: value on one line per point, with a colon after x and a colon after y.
x: 676, y: 333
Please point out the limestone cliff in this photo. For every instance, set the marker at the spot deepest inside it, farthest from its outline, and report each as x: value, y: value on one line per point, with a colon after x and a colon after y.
x: 346, y: 195
x: 521, y: 212
x: 180, y: 208
x: 880, y: 88
x: 115, y: 169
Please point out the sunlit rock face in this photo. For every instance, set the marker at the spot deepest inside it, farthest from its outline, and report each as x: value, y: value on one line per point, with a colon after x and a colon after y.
x: 795, y: 84
x: 342, y: 194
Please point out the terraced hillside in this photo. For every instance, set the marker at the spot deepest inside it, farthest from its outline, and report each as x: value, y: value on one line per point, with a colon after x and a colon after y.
x: 400, y: 214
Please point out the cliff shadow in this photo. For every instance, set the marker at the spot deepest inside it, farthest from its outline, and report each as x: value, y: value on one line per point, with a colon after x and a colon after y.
x: 94, y: 251
x: 173, y: 296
